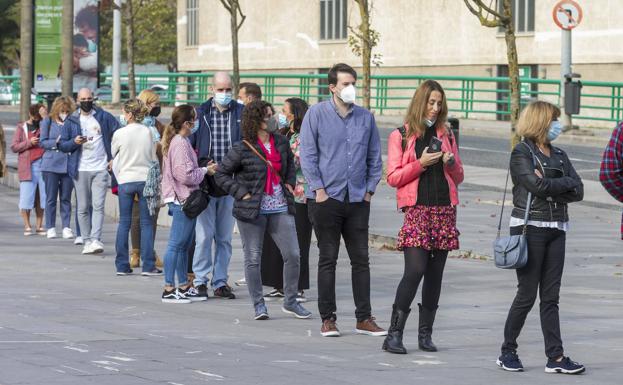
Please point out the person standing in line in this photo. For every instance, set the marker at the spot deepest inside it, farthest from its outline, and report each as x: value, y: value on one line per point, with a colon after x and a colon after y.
x: 424, y: 166
x: 341, y: 161
x: 133, y: 153
x: 87, y: 136
x: 536, y: 166
x: 26, y: 144
x: 259, y: 173
x: 181, y: 175
x: 611, y: 168
x: 219, y: 128
x: 55, y: 168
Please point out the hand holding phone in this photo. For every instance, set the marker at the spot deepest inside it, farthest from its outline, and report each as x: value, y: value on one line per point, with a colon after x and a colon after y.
x: 434, y: 145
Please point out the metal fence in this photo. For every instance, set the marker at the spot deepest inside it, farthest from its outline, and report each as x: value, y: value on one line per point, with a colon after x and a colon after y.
x: 468, y: 97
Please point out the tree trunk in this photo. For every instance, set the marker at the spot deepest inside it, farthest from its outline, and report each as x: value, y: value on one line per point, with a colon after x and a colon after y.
x: 130, y: 47
x: 234, y: 44
x: 26, y: 29
x: 366, y: 50
x: 67, y: 44
x: 513, y: 73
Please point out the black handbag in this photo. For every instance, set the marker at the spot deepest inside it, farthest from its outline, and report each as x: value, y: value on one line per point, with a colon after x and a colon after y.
x: 209, y: 183
x: 511, y: 252
x: 196, y: 202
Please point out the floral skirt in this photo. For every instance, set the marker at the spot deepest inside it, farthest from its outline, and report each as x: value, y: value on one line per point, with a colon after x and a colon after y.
x: 430, y: 228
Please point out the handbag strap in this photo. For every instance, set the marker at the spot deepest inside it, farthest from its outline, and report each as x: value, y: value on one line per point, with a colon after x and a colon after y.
x: 252, y: 148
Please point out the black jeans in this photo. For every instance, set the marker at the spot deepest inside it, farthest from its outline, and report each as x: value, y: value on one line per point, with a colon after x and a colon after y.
x: 421, y: 263
x: 332, y: 220
x: 542, y: 273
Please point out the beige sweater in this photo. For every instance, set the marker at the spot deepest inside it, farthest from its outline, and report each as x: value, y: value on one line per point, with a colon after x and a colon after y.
x: 133, y: 150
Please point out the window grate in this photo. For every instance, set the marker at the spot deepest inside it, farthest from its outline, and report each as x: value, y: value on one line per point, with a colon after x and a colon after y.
x: 333, y: 19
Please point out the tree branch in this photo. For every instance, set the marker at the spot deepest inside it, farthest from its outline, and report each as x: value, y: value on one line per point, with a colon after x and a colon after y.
x: 227, y: 7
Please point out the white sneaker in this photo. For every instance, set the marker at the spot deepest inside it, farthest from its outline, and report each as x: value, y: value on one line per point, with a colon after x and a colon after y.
x: 78, y: 241
x: 97, y: 247
x: 88, y: 248
x: 241, y: 282
x: 67, y: 233
x: 51, y: 233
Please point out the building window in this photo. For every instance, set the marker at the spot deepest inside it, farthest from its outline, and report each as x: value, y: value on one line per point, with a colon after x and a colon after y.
x: 192, y: 13
x: 333, y: 19
x: 523, y: 15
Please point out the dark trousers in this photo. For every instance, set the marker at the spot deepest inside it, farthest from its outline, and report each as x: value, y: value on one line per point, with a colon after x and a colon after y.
x: 542, y: 273
x: 272, y: 261
x: 421, y: 263
x: 57, y: 186
x: 333, y: 220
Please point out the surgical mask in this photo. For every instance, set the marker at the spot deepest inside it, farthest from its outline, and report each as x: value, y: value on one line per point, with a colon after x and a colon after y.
x: 272, y: 125
x: 148, y: 121
x: 122, y: 121
x: 283, y: 121
x: 62, y: 116
x: 240, y: 101
x: 88, y: 63
x: 195, y: 127
x: 86, y: 105
x: 429, y: 123
x: 155, y: 111
x: 555, y: 129
x: 348, y: 94
x: 223, y: 98
x: 92, y: 46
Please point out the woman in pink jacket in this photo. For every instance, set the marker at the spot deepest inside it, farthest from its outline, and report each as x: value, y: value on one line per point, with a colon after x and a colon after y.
x: 423, y: 164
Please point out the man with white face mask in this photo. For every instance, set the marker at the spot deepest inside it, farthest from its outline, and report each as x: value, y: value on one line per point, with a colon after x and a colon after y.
x: 218, y: 122
x: 340, y: 154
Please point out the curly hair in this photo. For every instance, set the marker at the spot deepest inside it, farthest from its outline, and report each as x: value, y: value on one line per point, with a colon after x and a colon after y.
x: 137, y: 108
x: 253, y: 116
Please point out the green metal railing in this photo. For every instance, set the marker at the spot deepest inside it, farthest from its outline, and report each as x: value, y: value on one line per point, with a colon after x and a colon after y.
x: 468, y: 97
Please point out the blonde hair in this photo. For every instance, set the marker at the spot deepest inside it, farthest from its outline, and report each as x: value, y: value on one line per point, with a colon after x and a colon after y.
x: 137, y: 108
x: 535, y: 119
x: 148, y: 97
x: 416, y: 113
x: 181, y: 114
x: 62, y: 103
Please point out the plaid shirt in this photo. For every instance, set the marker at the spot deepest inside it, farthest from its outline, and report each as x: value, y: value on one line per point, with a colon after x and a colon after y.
x: 611, y: 171
x: 219, y: 123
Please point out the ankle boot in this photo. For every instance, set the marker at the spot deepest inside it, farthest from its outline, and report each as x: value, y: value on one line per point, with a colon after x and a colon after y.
x: 425, y: 330
x: 393, y: 341
x: 135, y: 259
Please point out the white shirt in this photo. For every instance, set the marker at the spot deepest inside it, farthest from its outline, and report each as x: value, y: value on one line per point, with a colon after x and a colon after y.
x: 133, y: 150
x: 93, y: 151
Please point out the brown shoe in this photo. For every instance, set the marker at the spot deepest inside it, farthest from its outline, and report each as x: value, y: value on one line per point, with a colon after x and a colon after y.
x: 329, y: 328
x: 369, y: 327
x: 135, y: 259
x: 158, y: 261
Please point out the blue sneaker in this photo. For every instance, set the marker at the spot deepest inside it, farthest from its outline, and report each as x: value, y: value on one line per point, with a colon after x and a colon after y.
x: 565, y: 366
x: 261, y: 313
x: 296, y: 310
x: 510, y: 361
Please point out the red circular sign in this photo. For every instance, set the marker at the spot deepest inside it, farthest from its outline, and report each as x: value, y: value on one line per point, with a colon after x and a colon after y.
x: 567, y: 14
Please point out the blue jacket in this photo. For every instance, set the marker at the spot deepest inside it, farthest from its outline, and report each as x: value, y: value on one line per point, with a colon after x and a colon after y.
x: 72, y: 129
x: 202, y: 139
x: 53, y: 159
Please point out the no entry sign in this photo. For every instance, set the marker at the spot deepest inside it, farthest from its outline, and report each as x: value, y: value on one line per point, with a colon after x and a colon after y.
x: 567, y: 14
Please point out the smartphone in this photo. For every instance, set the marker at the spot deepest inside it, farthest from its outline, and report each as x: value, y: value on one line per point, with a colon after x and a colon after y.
x: 434, y: 145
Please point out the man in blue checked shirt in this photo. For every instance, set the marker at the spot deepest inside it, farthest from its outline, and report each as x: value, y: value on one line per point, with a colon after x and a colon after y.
x: 341, y: 160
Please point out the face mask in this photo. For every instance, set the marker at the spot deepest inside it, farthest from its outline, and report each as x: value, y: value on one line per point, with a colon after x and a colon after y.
x: 88, y: 63
x: 122, y: 121
x: 148, y: 121
x: 240, y: 101
x: 272, y: 124
x: 62, y: 116
x: 92, y: 46
x: 283, y: 121
x: 429, y: 123
x: 195, y: 127
x: 348, y: 94
x: 555, y: 128
x: 34, y: 126
x: 155, y: 111
x: 222, y: 98
x: 86, y: 105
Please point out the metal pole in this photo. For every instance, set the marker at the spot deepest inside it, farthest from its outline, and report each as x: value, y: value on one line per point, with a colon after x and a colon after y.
x: 26, y: 59
x: 67, y: 31
x: 565, y: 68
x: 116, y: 53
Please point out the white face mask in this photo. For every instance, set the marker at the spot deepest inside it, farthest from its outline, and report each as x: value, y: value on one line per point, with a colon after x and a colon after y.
x: 348, y: 94
x: 62, y: 116
x: 429, y: 123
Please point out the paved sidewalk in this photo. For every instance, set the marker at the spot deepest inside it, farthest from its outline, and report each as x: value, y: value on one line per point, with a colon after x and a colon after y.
x: 67, y: 319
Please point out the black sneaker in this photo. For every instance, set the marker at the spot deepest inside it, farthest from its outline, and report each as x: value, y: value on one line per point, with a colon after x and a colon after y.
x: 126, y: 272
x: 174, y: 296
x: 510, y: 361
x: 224, y: 292
x: 202, y: 290
x: 192, y: 294
x: 274, y: 294
x: 154, y: 272
x: 565, y: 366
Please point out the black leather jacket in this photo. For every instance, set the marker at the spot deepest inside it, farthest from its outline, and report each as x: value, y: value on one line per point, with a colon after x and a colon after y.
x: 560, y: 183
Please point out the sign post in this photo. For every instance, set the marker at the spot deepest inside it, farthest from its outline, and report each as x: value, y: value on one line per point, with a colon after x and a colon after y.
x: 567, y: 15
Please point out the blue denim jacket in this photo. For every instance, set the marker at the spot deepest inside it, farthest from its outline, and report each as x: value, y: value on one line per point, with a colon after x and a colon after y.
x: 53, y: 160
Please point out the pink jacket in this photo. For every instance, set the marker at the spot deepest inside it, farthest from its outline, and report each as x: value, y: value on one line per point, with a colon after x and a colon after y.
x: 22, y: 145
x: 404, y: 170
x: 181, y: 174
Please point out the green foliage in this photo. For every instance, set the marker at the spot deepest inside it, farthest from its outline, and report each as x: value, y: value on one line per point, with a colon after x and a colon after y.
x: 155, y: 23
x: 356, y: 38
x: 9, y: 35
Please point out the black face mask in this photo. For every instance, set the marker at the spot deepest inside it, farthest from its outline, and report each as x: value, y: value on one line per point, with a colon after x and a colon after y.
x: 86, y: 105
x: 34, y: 126
x: 155, y: 111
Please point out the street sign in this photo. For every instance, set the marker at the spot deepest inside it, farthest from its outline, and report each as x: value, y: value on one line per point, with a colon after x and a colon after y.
x: 567, y: 14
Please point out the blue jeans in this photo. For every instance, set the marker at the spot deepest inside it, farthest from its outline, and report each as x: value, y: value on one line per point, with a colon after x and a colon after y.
x: 57, y: 186
x: 126, y: 200
x: 180, y: 238
x: 214, y: 224
x: 28, y: 188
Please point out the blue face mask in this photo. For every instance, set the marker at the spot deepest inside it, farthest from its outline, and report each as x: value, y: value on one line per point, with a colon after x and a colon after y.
x: 92, y: 46
x: 148, y: 121
x: 283, y: 121
x: 222, y: 98
x: 195, y: 127
x: 555, y: 129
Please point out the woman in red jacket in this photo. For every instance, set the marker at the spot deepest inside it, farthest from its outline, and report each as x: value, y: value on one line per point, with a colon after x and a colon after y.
x: 423, y: 164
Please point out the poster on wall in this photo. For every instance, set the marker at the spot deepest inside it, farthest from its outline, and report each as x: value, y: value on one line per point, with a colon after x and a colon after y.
x: 48, y: 47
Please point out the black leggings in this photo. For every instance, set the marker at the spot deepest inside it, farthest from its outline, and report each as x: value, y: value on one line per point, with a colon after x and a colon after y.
x: 421, y: 263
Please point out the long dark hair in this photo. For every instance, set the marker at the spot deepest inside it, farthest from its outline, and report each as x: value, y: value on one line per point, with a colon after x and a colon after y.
x: 253, y: 116
x: 298, y: 107
x: 416, y: 113
x: 181, y: 114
